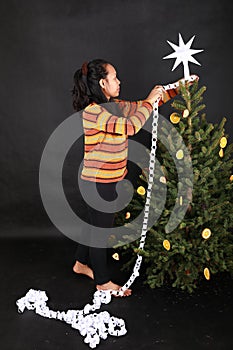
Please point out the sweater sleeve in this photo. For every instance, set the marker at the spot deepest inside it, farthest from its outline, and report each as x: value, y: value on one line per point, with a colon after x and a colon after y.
x: 128, y: 108
x: 168, y: 95
x: 135, y: 115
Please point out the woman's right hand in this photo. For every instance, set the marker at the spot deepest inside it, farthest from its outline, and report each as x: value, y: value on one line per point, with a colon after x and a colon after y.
x: 156, y: 94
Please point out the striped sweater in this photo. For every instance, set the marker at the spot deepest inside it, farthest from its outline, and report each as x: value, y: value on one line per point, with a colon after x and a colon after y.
x: 106, y: 138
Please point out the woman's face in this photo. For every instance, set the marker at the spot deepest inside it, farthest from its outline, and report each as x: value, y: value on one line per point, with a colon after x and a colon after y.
x: 110, y: 85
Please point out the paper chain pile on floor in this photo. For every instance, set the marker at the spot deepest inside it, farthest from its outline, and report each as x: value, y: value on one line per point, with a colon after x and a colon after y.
x: 93, y: 326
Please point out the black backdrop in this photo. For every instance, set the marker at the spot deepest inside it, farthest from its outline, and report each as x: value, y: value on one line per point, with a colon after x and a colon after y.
x: 43, y: 42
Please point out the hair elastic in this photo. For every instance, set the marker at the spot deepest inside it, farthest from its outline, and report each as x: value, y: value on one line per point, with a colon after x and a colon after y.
x: 84, y: 68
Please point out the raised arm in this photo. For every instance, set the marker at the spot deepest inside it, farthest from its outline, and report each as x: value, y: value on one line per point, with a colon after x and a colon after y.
x: 97, y: 117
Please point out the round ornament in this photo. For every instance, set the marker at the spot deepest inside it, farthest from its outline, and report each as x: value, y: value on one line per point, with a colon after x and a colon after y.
x: 221, y: 153
x: 166, y: 244
x: 231, y: 178
x: 185, y: 113
x: 163, y: 179
x: 206, y: 233
x: 223, y: 142
x: 141, y: 190
x: 207, y: 273
x: 127, y: 215
x: 174, y: 118
x: 116, y: 256
x: 180, y: 154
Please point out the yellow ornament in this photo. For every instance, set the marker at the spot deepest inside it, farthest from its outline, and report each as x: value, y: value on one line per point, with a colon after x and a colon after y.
x: 163, y: 179
x: 185, y: 113
x: 221, y: 153
x: 223, y: 142
x: 174, y: 118
x: 166, y: 244
x: 180, y: 154
x: 207, y: 273
x: 181, y: 200
x: 206, y: 233
x: 231, y: 178
x: 141, y: 190
x: 127, y: 215
x: 116, y: 256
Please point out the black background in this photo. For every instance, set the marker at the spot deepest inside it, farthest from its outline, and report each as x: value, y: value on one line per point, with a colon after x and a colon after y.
x: 44, y: 42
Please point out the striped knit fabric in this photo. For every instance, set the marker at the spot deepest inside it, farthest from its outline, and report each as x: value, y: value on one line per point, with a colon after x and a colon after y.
x: 106, y: 138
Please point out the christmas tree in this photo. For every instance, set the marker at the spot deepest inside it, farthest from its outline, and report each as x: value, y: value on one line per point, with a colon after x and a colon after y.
x: 202, y: 243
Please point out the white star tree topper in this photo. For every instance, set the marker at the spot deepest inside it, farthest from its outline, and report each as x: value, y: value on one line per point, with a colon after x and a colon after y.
x: 183, y: 54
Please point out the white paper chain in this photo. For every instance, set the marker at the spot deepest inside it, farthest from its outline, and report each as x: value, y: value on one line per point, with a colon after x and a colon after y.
x: 155, y: 119
x: 93, y: 326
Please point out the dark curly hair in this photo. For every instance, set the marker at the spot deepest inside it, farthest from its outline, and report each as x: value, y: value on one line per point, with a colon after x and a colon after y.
x: 86, y: 84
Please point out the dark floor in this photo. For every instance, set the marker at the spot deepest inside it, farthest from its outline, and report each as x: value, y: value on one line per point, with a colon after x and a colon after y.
x: 160, y: 319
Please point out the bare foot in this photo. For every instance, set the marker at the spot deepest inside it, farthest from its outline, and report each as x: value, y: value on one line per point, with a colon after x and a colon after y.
x: 83, y: 269
x: 112, y: 286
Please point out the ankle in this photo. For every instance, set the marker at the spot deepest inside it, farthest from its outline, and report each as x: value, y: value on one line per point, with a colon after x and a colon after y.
x: 78, y: 263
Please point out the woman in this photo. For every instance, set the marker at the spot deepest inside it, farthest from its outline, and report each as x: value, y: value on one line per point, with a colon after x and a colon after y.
x: 106, y: 130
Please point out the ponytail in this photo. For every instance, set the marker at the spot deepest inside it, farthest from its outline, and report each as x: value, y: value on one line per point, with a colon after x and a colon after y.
x: 79, y: 92
x: 86, y: 84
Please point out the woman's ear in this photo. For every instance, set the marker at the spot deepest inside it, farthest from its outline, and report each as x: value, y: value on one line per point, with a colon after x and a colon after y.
x: 101, y: 82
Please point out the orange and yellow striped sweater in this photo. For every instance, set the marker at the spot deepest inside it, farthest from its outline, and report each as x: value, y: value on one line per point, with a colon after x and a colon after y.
x: 106, y: 137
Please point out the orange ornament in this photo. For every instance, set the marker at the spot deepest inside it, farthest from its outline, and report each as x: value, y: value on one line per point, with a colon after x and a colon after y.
x: 141, y: 190
x: 166, y: 244
x: 206, y: 233
x: 127, y: 215
x: 221, y: 153
x: 207, y: 273
x: 115, y: 256
x: 174, y: 118
x: 185, y: 113
x: 180, y: 154
x: 163, y: 179
x: 223, y: 142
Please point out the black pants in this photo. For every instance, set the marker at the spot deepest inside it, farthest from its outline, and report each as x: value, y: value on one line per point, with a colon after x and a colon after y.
x: 96, y: 258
